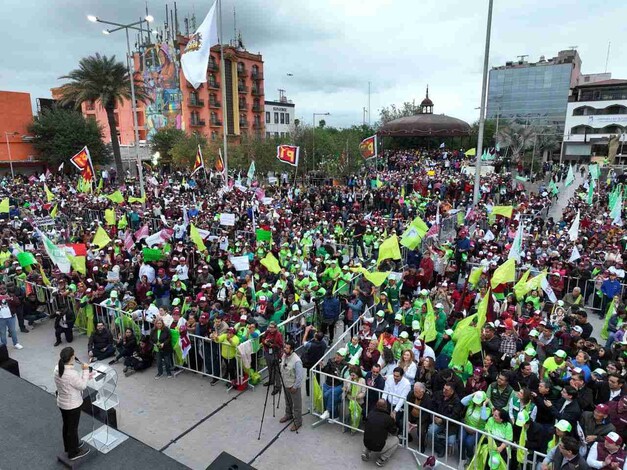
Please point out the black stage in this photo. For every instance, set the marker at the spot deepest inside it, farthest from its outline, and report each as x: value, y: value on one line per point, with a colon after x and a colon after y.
x: 30, y: 434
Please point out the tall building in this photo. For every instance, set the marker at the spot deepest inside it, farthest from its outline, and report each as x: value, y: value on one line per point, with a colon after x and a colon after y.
x: 174, y: 102
x: 534, y: 92
x: 16, y: 114
x: 596, y: 114
x: 279, y: 116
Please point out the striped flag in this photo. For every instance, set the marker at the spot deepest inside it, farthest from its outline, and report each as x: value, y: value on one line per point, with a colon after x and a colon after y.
x: 198, y: 163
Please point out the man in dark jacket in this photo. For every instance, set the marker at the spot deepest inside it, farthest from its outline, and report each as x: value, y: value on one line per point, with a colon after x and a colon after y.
x: 380, y: 434
x: 448, y: 404
x: 100, y: 344
x: 596, y: 424
x: 314, y: 350
x: 567, y: 407
x: 330, y: 314
x: 566, y: 455
x: 374, y: 379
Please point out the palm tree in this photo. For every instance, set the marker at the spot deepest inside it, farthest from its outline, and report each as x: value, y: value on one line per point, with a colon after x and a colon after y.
x: 101, y: 78
x: 516, y: 138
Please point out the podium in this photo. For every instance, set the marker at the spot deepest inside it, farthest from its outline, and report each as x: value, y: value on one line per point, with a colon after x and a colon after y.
x: 104, y: 382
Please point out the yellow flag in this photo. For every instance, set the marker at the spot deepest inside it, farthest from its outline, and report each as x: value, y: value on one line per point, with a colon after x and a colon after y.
x: 389, y: 249
x: 132, y: 199
x: 521, y: 285
x: 504, y: 273
x: 100, y: 185
x: 109, y: 216
x: 4, y: 205
x: 194, y: 235
x: 101, y: 239
x: 536, y: 281
x: 505, y: 211
x: 271, y: 263
x: 78, y: 264
x: 475, y: 275
x: 123, y: 222
x: 44, y: 278
x: 116, y: 197
x: 49, y: 195
x: 53, y: 212
x: 377, y: 278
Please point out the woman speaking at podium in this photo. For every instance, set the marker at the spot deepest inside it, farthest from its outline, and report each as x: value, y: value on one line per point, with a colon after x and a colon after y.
x: 70, y: 385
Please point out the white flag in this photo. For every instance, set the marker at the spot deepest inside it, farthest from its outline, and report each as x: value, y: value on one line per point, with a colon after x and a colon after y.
x: 548, y: 290
x: 516, y: 250
x: 489, y: 236
x: 574, y: 256
x: 570, y: 177
x: 195, y: 58
x: 56, y: 254
x: 573, y: 232
x: 617, y: 210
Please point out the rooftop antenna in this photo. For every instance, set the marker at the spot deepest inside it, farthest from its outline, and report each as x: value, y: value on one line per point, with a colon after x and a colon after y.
x: 166, y: 24
x: 234, y: 26
x: 573, y: 48
x: 521, y: 58
x: 176, y: 20
x: 607, y: 59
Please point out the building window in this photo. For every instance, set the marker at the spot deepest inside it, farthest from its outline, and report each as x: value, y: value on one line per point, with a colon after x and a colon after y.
x: 276, y: 118
x: 267, y: 117
x: 287, y: 118
x: 214, y: 135
x: 267, y: 135
x: 255, y: 71
x: 282, y: 118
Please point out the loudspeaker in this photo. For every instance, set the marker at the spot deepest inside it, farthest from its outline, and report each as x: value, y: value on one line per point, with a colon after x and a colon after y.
x: 226, y: 461
x: 8, y: 364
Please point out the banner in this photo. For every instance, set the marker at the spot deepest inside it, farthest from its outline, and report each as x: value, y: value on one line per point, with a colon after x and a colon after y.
x: 195, y: 58
x: 240, y: 263
x: 227, y: 219
x: 288, y: 154
x: 82, y: 161
x: 368, y: 147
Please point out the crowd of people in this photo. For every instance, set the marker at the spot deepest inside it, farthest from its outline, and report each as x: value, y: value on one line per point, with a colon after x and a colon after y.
x: 284, y: 266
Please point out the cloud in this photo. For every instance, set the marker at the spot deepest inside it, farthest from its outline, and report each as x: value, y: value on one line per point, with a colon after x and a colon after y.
x: 333, y: 48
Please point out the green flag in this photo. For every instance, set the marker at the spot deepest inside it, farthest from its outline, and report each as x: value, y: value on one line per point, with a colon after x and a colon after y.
x: 263, y: 235
x: 195, y: 236
x: 590, y: 196
x: 152, y: 254
x: 553, y: 188
x: 570, y: 177
x: 26, y: 259
x: 594, y: 170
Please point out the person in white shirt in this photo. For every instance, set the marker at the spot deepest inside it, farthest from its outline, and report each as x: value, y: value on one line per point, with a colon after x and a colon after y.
x: 182, y: 270
x: 396, y: 389
x: 70, y: 385
x: 146, y: 315
x: 7, y: 319
x: 146, y: 270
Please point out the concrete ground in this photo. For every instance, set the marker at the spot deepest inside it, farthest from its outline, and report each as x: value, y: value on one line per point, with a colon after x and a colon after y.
x: 193, y: 422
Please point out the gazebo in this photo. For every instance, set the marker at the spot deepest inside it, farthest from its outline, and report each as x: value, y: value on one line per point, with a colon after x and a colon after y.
x: 427, y: 124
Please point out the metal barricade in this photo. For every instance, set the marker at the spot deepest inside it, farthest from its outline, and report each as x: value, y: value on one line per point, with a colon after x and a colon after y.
x: 205, y: 358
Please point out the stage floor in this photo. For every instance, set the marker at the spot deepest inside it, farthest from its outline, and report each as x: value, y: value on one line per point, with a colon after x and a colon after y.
x: 30, y: 434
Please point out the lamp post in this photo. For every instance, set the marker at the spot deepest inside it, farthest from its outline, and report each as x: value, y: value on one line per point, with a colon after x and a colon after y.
x: 6, y: 135
x: 118, y: 27
x: 484, y: 85
x: 313, y: 139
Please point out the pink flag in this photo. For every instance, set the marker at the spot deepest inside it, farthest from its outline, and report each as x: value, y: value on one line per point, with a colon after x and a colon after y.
x: 128, y: 241
x: 260, y: 193
x: 433, y: 231
x: 142, y: 233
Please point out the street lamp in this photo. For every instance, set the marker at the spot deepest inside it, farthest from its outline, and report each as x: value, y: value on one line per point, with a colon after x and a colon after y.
x: 6, y: 136
x: 484, y: 84
x: 118, y: 27
x: 313, y: 139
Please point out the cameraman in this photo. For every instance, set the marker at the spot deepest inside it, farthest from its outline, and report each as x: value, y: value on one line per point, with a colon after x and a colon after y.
x: 272, y: 350
x: 314, y: 350
x: 63, y: 324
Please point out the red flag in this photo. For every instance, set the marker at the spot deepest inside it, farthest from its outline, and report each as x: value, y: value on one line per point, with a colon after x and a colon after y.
x: 198, y: 164
x: 368, y: 147
x: 76, y: 249
x: 219, y: 162
x: 142, y: 232
x: 128, y: 241
x: 288, y: 154
x: 82, y: 161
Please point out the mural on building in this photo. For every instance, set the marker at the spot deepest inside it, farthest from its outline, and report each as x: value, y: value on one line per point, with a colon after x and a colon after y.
x: 161, y: 79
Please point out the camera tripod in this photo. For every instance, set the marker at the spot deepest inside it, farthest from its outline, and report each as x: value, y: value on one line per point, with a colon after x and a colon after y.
x: 275, y: 368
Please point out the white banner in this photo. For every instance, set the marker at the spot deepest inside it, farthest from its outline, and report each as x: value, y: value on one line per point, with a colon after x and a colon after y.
x: 241, y: 263
x: 227, y: 219
x: 195, y: 58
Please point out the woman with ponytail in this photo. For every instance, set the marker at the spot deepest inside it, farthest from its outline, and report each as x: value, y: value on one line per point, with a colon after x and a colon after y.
x: 70, y: 385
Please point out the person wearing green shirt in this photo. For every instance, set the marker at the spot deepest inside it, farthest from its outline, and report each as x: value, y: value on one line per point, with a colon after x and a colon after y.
x: 393, y: 290
x: 265, y: 291
x: 477, y: 414
x: 249, y: 331
x: 500, y: 428
x: 228, y: 348
x: 409, y: 314
x: 343, y: 281
x: 401, y: 345
x: 535, y: 299
x: 554, y: 363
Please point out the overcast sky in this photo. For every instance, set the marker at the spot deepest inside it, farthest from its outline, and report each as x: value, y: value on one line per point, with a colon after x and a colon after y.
x: 334, y: 48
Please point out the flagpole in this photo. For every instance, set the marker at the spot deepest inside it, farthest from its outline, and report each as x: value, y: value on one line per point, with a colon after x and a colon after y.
x: 223, y: 86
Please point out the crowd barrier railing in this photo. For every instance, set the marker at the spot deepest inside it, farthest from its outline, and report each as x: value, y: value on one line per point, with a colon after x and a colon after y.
x: 420, y: 431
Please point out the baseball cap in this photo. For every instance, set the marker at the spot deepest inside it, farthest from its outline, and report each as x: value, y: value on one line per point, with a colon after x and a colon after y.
x: 342, y: 352
x: 563, y: 425
x: 415, y: 325
x: 521, y: 418
x: 478, y: 397
x: 599, y: 371
x: 114, y: 294
x: 494, y: 460
x: 204, y: 316
x: 530, y: 352
x: 295, y: 307
x: 578, y: 329
x: 534, y: 333
x: 560, y: 353
x: 398, y: 317
x: 380, y: 313
x: 404, y: 335
x: 449, y: 332
x: 439, y: 305
x: 424, y: 292
x: 613, y: 438
x: 602, y: 409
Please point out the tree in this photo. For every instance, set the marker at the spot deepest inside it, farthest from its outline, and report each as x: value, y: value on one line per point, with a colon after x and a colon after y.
x: 322, y: 123
x: 102, y: 79
x: 489, y: 133
x: 183, y: 152
x: 163, y: 141
x: 60, y: 133
x: 389, y: 113
x: 516, y: 138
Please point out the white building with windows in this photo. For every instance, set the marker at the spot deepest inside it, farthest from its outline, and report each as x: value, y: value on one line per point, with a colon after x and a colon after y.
x: 279, y: 116
x: 596, y: 112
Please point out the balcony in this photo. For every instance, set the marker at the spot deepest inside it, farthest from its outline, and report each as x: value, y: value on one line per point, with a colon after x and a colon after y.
x: 243, y: 104
x: 257, y: 91
x: 214, y: 85
x: 256, y: 125
x: 243, y: 123
x: 215, y: 123
x: 256, y: 76
x: 196, y: 103
x: 242, y: 88
x: 241, y: 72
x: 195, y: 122
x: 257, y: 108
x: 189, y: 85
x: 214, y: 104
x: 212, y: 67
